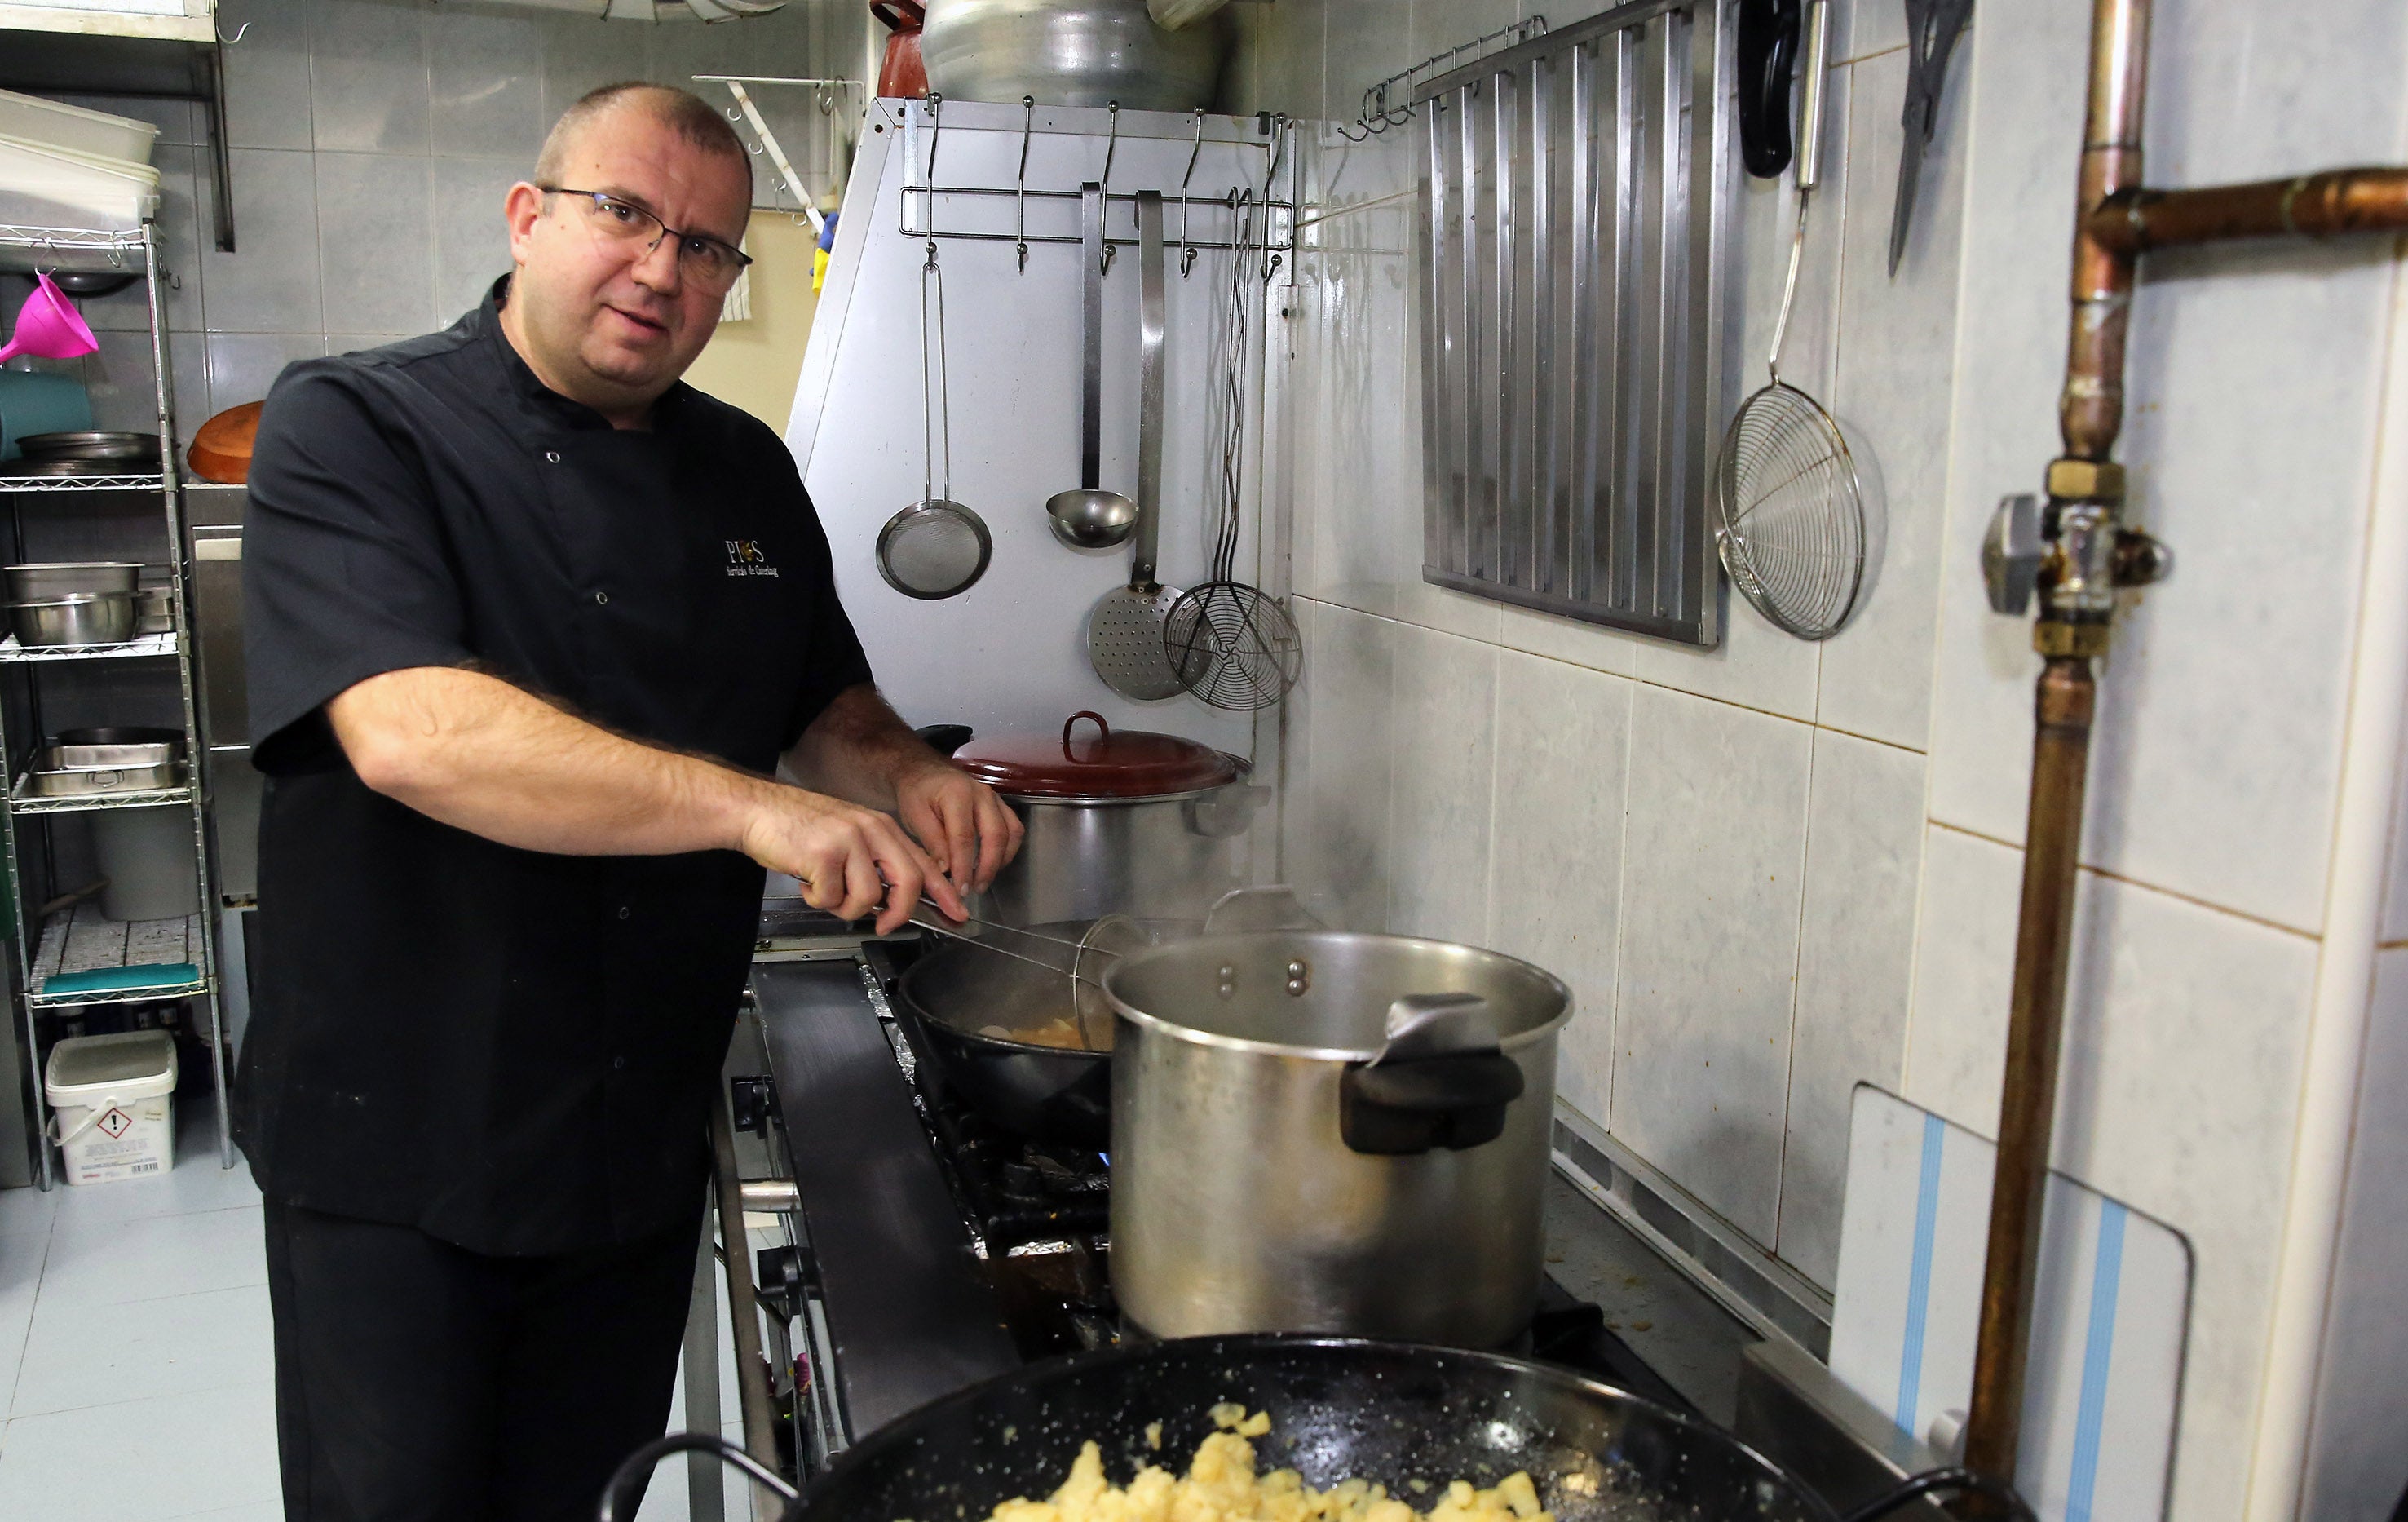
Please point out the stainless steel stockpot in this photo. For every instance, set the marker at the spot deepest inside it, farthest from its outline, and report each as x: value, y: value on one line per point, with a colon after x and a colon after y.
x: 1317, y: 1130
x: 1070, y: 53
x: 1120, y: 822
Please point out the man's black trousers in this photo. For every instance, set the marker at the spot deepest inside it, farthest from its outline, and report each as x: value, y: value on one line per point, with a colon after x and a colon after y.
x: 419, y: 1382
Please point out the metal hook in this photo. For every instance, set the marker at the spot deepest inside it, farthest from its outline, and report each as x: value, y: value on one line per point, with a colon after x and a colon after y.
x: 233, y: 41
x: 1112, y: 143
x: 1027, y: 125
x: 936, y: 129
x: 1186, y: 211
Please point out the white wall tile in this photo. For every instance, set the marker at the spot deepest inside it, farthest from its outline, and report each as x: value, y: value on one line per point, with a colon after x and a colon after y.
x: 1712, y: 870
x: 1555, y: 868
x: 1341, y: 759
x: 2357, y: 1469
x: 1445, y: 707
x: 579, y: 57
x: 486, y: 77
x: 375, y: 239
x: 2224, y: 699
x: 242, y: 366
x: 267, y: 73
x: 2178, y: 1096
x: 368, y: 87
x: 270, y: 282
x: 1353, y: 493
x: 1855, y: 955
x: 2394, y: 892
x: 1891, y: 384
x: 1965, y: 945
x: 472, y: 242
x: 1367, y: 41
x: 2023, y: 136
x: 1860, y: 28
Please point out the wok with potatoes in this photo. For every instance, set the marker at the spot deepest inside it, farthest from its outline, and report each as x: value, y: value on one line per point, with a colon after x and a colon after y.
x: 1413, y: 1420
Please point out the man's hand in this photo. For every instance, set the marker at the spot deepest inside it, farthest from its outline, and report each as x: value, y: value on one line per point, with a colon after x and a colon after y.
x: 858, y: 749
x: 849, y: 859
x: 964, y: 826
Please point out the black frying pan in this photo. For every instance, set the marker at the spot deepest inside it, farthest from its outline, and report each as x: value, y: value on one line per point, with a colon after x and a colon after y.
x: 1341, y: 1408
x: 1044, y: 1093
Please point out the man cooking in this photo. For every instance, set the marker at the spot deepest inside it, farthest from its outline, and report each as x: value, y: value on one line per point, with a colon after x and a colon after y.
x: 531, y: 626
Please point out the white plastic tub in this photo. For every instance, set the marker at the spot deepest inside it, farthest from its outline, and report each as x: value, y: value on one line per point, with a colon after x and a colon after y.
x: 42, y: 186
x: 75, y: 127
x: 114, y: 1103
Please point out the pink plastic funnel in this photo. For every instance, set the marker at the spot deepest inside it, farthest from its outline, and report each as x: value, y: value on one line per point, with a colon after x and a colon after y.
x: 49, y: 325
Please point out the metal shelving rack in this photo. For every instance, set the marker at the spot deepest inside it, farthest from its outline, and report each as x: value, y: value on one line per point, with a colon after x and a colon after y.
x: 79, y: 935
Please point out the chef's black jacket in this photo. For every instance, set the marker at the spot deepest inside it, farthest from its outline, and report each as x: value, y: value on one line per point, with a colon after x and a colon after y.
x: 511, y: 1051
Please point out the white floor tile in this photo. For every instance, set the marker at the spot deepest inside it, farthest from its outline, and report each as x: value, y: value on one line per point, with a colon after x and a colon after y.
x: 78, y: 1355
x: 21, y: 1277
x: 173, y: 1455
x: 25, y: 1213
x: 112, y: 1262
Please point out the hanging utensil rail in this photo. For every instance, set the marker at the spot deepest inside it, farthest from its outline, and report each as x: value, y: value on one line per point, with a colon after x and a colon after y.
x: 923, y: 128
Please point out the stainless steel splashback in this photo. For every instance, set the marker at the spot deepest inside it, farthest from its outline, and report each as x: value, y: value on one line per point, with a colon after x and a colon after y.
x: 1576, y: 201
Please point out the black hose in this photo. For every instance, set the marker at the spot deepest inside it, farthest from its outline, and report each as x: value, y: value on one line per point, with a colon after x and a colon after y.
x: 1957, y: 1479
x: 618, y: 1505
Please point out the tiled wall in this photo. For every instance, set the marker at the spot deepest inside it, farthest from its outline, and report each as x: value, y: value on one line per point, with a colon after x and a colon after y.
x: 1774, y: 870
x: 372, y: 142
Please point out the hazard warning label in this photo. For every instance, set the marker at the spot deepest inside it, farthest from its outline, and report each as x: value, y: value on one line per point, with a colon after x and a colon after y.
x: 115, y: 1123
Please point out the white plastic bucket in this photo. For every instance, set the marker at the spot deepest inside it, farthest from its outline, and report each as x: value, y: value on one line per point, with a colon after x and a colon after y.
x: 113, y: 1105
x: 57, y: 124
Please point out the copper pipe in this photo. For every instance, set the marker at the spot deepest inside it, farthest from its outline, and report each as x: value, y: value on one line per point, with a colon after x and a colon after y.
x: 2333, y: 204
x: 2026, y: 1108
x: 2091, y: 412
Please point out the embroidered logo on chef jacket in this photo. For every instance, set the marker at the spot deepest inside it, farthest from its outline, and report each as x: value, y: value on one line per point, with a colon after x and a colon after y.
x: 744, y: 558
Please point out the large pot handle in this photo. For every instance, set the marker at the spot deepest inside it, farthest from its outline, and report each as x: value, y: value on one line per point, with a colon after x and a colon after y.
x: 1442, y: 1080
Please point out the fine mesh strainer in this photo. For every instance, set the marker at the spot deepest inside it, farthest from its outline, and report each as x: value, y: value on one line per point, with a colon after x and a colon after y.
x: 936, y: 547
x: 1789, y: 505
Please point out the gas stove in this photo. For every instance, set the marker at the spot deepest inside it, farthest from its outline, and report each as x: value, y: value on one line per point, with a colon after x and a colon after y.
x: 926, y: 1248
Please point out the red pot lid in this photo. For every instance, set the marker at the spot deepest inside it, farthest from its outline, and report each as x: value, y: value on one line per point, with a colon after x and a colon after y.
x: 1097, y: 762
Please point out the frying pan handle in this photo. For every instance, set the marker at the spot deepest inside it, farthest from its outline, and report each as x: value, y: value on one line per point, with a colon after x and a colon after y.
x: 1396, y: 1108
x: 1957, y: 1479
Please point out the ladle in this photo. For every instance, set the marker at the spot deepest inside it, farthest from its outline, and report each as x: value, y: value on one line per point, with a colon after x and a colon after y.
x: 1089, y: 517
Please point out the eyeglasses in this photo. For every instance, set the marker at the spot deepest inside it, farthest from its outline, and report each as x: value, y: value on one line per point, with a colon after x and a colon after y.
x: 710, y: 261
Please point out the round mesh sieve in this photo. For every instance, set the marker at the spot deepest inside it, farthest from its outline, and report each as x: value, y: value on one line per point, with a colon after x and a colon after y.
x: 932, y: 550
x: 1789, y: 509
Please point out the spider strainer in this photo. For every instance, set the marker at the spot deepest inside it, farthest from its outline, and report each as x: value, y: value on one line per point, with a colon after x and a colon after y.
x: 1789, y: 505
x: 936, y: 547
x: 1230, y: 642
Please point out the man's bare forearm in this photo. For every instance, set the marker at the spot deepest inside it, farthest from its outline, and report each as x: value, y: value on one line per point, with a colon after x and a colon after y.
x: 479, y: 754
x: 857, y: 748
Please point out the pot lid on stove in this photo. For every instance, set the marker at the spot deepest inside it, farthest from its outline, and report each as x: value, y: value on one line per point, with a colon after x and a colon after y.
x: 1104, y: 764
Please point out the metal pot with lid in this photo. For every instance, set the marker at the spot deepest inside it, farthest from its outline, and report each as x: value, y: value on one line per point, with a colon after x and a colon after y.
x: 1126, y: 821
x: 1319, y: 1131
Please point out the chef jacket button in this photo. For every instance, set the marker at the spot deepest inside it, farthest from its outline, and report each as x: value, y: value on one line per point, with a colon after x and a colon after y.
x: 552, y: 456
x: 601, y: 599
x: 618, y: 1063
x: 622, y: 912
